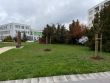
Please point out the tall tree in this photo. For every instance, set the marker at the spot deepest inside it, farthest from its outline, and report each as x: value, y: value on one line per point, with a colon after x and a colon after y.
x: 101, y: 24
x: 48, y: 33
x: 76, y: 31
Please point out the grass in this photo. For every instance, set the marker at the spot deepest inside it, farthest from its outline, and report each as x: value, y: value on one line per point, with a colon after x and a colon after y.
x: 32, y: 61
x: 6, y: 44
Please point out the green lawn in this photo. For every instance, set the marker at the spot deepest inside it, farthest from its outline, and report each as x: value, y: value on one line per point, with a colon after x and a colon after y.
x: 6, y: 44
x: 33, y: 61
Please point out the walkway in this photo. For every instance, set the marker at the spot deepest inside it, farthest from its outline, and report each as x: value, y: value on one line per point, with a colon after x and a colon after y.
x: 4, y: 49
x: 103, y: 77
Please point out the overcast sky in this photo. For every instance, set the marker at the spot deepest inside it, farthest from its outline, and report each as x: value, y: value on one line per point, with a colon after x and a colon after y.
x: 38, y: 13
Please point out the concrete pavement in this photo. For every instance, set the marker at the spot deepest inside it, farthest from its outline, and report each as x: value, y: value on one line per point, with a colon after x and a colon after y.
x: 102, y: 77
x: 4, y: 49
x: 102, y: 80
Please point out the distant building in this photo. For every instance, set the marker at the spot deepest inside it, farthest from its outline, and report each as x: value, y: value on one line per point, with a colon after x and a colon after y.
x: 36, y: 35
x: 94, y: 10
x: 11, y: 29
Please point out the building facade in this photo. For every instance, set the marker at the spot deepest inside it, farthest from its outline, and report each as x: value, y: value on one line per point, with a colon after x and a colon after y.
x: 11, y: 29
x: 36, y: 35
x: 94, y: 10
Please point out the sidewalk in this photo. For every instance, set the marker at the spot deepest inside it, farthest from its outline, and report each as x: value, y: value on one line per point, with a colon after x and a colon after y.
x: 4, y: 49
x: 101, y: 77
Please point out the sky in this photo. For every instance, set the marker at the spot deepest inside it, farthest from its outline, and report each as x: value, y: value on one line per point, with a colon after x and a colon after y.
x: 38, y: 13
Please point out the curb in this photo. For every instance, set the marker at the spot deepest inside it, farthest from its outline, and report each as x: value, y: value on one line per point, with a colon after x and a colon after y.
x: 63, y: 78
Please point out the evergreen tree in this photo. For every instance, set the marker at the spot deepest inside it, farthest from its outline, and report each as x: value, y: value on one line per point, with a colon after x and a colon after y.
x: 24, y: 37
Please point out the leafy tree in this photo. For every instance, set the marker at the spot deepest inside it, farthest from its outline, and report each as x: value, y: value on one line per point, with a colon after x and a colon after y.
x: 76, y: 31
x: 24, y: 39
x: 59, y: 33
x: 8, y: 39
x: 48, y: 33
x: 55, y: 34
x: 101, y: 25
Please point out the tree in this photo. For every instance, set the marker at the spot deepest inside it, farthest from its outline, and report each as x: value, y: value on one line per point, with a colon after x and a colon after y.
x: 63, y: 34
x: 101, y: 25
x: 94, y: 30
x: 76, y: 31
x: 59, y: 33
x: 18, y: 45
x: 24, y: 37
x: 48, y: 33
x: 55, y: 34
x: 8, y: 39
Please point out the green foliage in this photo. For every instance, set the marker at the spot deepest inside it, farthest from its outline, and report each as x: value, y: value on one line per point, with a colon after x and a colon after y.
x: 55, y: 34
x: 8, y: 39
x: 101, y: 25
x: 24, y: 39
x: 59, y: 33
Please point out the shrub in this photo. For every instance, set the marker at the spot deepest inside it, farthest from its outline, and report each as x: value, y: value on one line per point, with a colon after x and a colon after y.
x: 8, y: 39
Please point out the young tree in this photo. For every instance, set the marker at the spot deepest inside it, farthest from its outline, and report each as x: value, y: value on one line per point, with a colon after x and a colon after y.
x: 18, y: 40
x: 48, y: 33
x: 101, y: 25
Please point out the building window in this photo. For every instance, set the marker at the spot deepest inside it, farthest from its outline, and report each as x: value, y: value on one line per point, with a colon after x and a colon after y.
x: 22, y: 27
x: 16, y: 31
x: 90, y: 12
x: 97, y: 9
x: 10, y: 26
x: 27, y: 27
x: 17, y: 26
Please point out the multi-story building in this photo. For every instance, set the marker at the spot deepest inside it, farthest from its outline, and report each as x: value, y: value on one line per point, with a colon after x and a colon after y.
x: 94, y: 10
x: 36, y: 35
x: 11, y: 29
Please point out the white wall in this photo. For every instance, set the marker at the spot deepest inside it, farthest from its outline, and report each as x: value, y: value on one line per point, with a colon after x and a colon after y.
x: 11, y: 29
x: 92, y: 12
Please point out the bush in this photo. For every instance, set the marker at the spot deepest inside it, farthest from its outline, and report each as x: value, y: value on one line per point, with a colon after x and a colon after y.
x: 24, y: 39
x: 8, y: 39
x: 106, y: 47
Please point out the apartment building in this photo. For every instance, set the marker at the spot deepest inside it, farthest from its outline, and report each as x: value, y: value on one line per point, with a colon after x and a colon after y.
x: 11, y: 29
x: 92, y: 11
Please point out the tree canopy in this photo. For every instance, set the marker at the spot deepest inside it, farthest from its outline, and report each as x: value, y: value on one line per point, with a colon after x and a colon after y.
x: 60, y: 34
x: 101, y: 25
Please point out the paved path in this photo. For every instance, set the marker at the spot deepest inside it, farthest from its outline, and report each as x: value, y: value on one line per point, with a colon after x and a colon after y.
x: 4, y: 49
x: 103, y: 77
x: 103, y: 80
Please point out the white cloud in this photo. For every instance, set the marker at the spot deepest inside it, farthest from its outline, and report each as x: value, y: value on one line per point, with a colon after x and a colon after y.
x: 40, y: 12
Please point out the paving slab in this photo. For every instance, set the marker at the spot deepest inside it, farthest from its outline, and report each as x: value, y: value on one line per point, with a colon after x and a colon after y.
x: 27, y: 81
x: 60, y: 79
x: 103, y: 80
x: 102, y: 77
x: 50, y: 80
x: 34, y: 80
x: 42, y: 80
x: 4, y: 49
x: 19, y: 81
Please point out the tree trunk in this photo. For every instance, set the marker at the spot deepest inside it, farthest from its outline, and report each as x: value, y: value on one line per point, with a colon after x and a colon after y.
x: 101, y: 45
x: 50, y: 39
x: 46, y: 40
x: 96, y: 45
